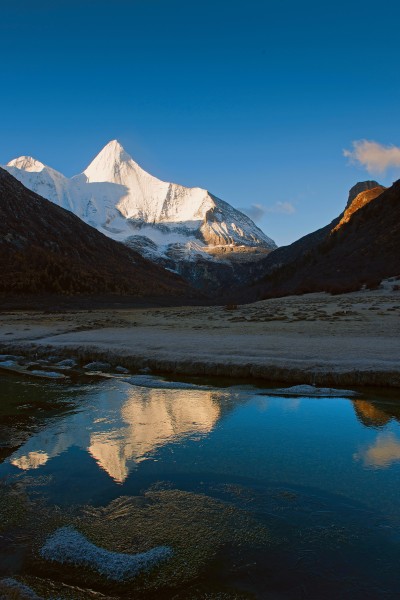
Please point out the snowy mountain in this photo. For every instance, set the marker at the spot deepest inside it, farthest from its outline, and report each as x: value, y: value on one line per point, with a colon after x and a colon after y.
x: 159, y: 219
x: 45, y: 249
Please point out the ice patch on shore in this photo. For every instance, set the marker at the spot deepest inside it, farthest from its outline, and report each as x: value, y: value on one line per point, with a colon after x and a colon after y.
x: 97, y: 366
x: 52, y: 374
x: 310, y: 391
x: 68, y: 363
x: 8, y: 364
x: 12, y: 357
x: 11, y: 588
x: 149, y: 381
x: 67, y: 545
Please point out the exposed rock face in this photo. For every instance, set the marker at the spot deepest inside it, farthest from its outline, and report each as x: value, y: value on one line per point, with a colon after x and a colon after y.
x: 183, y: 229
x: 361, y: 247
x: 358, y: 202
x: 46, y: 249
x: 217, y: 276
x: 118, y: 197
x: 359, y: 187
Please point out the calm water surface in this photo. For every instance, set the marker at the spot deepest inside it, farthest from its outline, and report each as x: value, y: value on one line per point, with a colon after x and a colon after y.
x: 322, y: 474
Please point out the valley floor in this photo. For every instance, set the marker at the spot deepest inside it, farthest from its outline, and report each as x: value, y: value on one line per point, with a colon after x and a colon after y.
x: 351, y: 339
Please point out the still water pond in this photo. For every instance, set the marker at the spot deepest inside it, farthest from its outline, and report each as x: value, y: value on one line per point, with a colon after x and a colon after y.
x: 258, y: 496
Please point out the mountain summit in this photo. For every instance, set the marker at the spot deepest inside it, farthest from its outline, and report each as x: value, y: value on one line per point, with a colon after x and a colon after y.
x: 27, y: 163
x: 106, y: 165
x: 360, y: 247
x: 123, y: 201
x: 45, y: 249
x: 109, y: 164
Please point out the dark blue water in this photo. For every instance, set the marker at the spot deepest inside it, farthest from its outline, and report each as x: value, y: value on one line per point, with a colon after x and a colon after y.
x: 322, y: 473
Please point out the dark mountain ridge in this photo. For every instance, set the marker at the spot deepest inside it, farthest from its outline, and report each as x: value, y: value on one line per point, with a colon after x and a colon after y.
x: 45, y: 249
x: 360, y: 247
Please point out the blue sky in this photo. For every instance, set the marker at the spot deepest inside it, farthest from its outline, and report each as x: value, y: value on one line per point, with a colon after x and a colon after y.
x: 253, y: 99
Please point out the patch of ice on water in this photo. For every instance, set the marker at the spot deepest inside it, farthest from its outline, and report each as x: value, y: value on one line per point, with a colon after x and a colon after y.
x: 8, y: 364
x: 52, y: 374
x: 68, y: 362
x: 97, y: 366
x: 66, y: 545
x: 311, y: 391
x: 150, y: 381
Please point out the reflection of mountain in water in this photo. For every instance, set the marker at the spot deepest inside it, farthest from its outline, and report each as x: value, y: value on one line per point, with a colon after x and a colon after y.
x: 385, y: 450
x: 158, y: 417
x: 373, y: 414
x: 370, y: 414
x: 27, y: 406
x: 123, y: 427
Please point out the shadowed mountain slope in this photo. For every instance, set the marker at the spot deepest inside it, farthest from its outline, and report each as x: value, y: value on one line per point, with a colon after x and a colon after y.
x: 187, y: 230
x: 47, y: 249
x: 115, y: 195
x: 360, y: 247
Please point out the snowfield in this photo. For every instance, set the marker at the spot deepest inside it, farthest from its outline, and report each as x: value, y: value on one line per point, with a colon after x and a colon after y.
x: 117, y: 197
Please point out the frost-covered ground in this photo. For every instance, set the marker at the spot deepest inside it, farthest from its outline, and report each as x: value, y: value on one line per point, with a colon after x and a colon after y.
x: 314, y: 339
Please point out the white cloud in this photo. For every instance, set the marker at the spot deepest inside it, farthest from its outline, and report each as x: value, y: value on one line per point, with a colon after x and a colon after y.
x: 375, y: 157
x: 255, y: 211
x: 285, y: 208
x: 258, y: 211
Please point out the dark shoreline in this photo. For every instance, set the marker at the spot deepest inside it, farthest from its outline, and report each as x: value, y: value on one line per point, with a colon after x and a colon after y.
x: 276, y: 374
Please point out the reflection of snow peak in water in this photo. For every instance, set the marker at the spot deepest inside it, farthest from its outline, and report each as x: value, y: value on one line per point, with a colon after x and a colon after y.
x: 122, y: 427
x: 32, y: 460
x: 154, y: 419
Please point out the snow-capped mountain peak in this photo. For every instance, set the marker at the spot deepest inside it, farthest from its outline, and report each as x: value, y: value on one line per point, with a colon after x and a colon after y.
x: 43, y: 180
x: 27, y: 163
x: 106, y: 165
x: 144, y: 198
x: 123, y: 201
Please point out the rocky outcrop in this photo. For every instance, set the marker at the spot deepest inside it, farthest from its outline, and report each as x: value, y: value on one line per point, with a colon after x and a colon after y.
x: 360, y: 247
x: 358, y: 202
x: 359, y: 187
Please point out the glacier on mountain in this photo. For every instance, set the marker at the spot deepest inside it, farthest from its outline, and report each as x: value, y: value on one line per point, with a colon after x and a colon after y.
x: 185, y: 229
x: 115, y: 195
